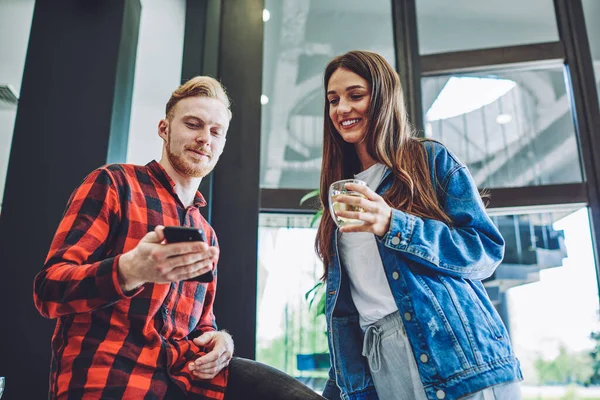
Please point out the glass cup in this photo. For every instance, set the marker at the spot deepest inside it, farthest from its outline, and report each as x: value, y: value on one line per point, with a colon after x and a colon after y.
x: 338, y: 188
x: 1, y: 386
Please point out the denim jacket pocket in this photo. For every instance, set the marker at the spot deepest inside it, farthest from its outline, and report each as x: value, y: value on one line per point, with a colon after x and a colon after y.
x: 493, y: 327
x: 440, y: 338
x: 486, y: 338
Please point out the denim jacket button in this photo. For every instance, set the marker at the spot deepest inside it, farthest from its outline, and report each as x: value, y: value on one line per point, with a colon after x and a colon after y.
x: 395, y: 240
x: 424, y: 358
x: 395, y: 275
x: 440, y: 394
x: 407, y: 316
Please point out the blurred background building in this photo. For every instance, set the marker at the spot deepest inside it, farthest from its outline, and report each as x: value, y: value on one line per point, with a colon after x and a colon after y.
x: 511, y: 87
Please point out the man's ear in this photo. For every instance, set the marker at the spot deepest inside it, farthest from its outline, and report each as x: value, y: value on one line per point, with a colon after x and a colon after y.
x: 163, y: 129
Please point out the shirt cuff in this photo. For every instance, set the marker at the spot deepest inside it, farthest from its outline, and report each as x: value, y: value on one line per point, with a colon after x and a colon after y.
x: 401, y: 227
x: 115, y: 288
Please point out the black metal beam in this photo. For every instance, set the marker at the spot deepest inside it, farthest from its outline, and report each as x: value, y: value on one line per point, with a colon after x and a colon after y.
x: 407, y: 59
x: 73, y: 116
x: 510, y: 57
x: 192, y: 63
x: 288, y: 200
x: 194, y: 55
x: 580, y: 71
x: 542, y: 196
x: 236, y: 178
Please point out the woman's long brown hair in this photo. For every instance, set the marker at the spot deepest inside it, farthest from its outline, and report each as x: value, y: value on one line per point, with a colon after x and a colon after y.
x: 390, y: 141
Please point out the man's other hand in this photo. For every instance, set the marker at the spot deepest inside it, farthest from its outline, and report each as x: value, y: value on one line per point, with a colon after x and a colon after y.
x: 220, y: 346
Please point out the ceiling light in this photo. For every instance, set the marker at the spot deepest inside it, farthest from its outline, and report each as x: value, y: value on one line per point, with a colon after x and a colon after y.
x: 462, y: 95
x: 266, y: 15
x: 503, y: 119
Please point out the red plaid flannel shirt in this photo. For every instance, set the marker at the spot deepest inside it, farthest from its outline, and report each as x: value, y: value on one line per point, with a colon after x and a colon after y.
x: 110, y: 344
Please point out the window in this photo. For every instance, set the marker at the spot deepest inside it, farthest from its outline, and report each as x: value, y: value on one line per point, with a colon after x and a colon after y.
x: 512, y: 128
x: 591, y: 9
x: 157, y: 74
x: 301, y: 37
x: 445, y: 26
x: 290, y: 330
x: 544, y: 290
x: 550, y: 302
x: 15, y: 24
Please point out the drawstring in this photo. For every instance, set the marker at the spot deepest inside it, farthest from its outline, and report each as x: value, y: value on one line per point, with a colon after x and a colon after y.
x: 371, y: 346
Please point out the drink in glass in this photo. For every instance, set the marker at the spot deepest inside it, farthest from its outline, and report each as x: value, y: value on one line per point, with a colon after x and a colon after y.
x: 337, y: 189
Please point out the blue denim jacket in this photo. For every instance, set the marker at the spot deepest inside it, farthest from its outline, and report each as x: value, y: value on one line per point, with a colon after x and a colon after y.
x: 434, y: 272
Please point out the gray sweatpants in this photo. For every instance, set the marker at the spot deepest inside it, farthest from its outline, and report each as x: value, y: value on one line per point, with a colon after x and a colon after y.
x: 394, y: 369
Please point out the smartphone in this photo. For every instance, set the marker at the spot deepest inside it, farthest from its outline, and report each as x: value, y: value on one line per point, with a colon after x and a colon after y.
x: 177, y: 234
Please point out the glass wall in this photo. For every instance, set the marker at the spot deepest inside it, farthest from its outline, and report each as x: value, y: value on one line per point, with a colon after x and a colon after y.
x: 300, y: 37
x: 591, y: 9
x: 15, y: 24
x: 447, y: 26
x: 157, y: 74
x: 290, y: 321
x: 551, y: 301
x: 512, y: 128
x: 545, y: 291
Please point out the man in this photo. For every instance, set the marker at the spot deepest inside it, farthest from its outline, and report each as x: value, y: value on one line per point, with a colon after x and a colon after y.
x: 131, y: 321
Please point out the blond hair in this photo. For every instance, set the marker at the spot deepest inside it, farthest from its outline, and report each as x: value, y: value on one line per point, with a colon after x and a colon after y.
x: 203, y: 86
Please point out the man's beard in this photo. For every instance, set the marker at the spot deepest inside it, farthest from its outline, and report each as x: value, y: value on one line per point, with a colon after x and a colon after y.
x: 184, y: 167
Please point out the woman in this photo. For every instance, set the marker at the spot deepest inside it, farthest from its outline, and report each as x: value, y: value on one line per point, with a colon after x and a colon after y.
x: 407, y: 315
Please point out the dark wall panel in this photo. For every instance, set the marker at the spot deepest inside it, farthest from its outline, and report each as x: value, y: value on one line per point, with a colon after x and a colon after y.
x: 235, y: 183
x: 73, y: 116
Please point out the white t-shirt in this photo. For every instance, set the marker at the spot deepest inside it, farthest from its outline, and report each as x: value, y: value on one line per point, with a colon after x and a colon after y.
x: 359, y: 255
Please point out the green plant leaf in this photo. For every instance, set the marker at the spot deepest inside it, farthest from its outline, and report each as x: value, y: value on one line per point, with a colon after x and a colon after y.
x: 312, y: 292
x: 309, y: 195
x: 316, y: 217
x: 317, y: 294
x: 321, y: 304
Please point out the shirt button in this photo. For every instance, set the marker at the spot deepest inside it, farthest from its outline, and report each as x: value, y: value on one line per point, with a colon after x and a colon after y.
x: 440, y: 394
x: 407, y: 316
x: 395, y: 240
x: 395, y: 275
x: 166, y: 311
x: 424, y: 358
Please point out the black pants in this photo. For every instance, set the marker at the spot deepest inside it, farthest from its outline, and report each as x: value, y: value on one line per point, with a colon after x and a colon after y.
x: 253, y: 380
x: 249, y: 380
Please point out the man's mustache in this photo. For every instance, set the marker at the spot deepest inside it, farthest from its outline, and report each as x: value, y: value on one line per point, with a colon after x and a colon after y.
x: 201, y: 151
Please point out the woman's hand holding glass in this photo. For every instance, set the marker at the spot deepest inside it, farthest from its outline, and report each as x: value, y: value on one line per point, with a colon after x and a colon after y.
x: 376, y: 215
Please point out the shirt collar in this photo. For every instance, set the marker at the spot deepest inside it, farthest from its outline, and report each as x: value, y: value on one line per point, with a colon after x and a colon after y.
x: 161, y: 175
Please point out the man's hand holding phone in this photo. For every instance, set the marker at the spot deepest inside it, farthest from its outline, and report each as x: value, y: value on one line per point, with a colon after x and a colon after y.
x: 153, y: 260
